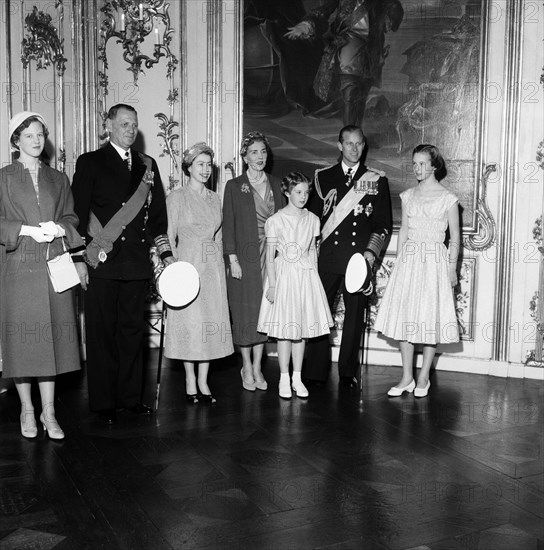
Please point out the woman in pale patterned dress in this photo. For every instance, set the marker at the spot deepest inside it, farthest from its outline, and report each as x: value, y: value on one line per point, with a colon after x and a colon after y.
x: 294, y: 306
x: 418, y: 304
x: 200, y: 331
x: 249, y: 200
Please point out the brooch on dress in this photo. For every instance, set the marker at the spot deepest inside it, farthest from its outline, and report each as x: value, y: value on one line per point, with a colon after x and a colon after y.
x: 245, y: 188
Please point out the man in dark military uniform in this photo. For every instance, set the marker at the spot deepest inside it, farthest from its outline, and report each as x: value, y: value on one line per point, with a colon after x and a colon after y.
x: 120, y: 202
x: 354, y: 206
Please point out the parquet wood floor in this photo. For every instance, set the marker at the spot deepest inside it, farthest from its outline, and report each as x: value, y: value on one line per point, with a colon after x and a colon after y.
x: 462, y: 469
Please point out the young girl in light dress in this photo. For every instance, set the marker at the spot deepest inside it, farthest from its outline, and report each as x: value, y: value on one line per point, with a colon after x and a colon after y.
x: 294, y: 305
x: 418, y: 303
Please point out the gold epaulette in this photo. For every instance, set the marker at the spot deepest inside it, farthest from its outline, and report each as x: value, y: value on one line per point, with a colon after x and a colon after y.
x: 374, y: 174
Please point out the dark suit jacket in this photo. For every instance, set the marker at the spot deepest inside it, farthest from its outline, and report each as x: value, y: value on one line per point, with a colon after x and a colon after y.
x: 102, y: 184
x: 364, y: 229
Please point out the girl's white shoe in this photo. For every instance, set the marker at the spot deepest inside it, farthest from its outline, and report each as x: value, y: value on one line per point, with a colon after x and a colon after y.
x: 300, y: 389
x: 396, y: 392
x: 285, y: 387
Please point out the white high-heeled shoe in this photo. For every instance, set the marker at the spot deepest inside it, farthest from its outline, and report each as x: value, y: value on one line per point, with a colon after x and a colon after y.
x: 422, y: 392
x: 285, y: 387
x: 263, y: 386
x: 51, y: 427
x: 248, y: 385
x: 397, y: 392
x: 28, y: 425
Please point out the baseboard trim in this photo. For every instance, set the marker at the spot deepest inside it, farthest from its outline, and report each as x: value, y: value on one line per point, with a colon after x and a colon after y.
x: 445, y: 362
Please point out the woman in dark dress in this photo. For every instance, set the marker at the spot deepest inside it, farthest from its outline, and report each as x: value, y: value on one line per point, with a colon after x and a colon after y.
x: 249, y: 200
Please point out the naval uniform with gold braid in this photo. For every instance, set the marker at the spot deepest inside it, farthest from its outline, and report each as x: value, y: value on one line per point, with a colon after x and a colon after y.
x: 364, y: 227
x: 115, y: 298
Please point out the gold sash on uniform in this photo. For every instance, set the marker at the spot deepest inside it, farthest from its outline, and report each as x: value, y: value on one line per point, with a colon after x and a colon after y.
x: 367, y: 184
x: 340, y: 211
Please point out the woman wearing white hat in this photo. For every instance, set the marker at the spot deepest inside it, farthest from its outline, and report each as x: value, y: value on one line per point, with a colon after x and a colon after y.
x: 199, y: 332
x: 38, y: 326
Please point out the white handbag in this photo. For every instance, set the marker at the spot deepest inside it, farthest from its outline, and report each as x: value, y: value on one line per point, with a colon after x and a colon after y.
x: 62, y: 270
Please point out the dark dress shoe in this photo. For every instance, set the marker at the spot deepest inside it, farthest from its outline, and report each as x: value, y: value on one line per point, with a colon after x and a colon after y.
x: 348, y: 382
x: 141, y: 409
x: 108, y: 416
x: 206, y: 398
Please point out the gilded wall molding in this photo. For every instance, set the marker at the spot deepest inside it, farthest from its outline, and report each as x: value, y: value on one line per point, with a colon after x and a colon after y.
x: 79, y: 110
x: 535, y: 357
x: 512, y: 83
x: 7, y: 18
x: 486, y: 234
x: 183, y: 56
x: 238, y: 125
x: 536, y: 305
x: 44, y: 44
x: 129, y: 23
x: 170, y: 139
x: 214, y: 14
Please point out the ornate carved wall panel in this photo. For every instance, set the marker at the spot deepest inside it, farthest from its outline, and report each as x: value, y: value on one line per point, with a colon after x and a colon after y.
x: 138, y: 46
x: 39, y: 75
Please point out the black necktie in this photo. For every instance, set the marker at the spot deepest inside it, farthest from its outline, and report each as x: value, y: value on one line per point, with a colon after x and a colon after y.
x: 349, y: 176
x: 128, y: 160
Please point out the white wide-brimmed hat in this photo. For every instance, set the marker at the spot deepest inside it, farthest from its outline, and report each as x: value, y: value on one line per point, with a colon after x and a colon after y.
x: 358, y: 275
x: 178, y: 284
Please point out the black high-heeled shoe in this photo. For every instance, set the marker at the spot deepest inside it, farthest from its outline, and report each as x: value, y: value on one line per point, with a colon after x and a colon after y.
x: 206, y: 398
x: 192, y: 398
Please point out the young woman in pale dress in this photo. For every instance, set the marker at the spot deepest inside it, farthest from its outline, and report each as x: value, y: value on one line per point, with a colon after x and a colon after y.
x: 200, y: 331
x: 418, y: 304
x: 294, y: 306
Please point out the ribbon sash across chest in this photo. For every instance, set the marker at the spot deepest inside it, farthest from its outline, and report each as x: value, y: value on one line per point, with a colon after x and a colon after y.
x: 104, y: 236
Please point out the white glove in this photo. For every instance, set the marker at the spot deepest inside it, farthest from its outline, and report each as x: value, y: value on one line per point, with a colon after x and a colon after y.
x: 52, y: 228
x: 36, y: 233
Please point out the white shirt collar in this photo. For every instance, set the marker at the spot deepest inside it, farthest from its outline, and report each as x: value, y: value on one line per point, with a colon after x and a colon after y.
x: 354, y: 169
x: 122, y: 152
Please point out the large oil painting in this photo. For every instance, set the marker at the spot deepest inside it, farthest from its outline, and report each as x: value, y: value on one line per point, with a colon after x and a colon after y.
x: 406, y: 71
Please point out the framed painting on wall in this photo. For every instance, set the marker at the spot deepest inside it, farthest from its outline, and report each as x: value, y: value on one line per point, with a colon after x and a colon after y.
x: 415, y: 75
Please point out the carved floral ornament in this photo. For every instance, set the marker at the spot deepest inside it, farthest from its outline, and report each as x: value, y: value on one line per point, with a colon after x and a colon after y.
x: 131, y: 23
x: 42, y: 42
x: 535, y: 356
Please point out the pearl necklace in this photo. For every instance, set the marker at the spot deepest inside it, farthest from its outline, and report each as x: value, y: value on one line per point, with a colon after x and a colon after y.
x: 258, y: 180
